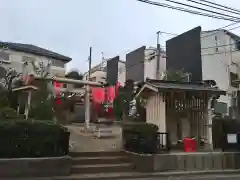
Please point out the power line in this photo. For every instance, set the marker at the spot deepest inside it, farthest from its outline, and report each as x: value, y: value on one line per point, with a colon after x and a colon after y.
x: 187, y: 10
x: 174, y: 34
x: 222, y: 28
x: 219, y: 8
x: 207, y: 10
x: 227, y: 7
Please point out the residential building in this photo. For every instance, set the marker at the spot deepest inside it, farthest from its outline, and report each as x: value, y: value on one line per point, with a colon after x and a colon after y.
x: 208, y: 55
x: 115, y: 68
x: 142, y: 64
x: 14, y: 55
x: 220, y: 61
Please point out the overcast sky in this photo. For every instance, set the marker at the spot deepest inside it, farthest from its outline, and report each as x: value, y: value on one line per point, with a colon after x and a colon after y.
x: 113, y: 27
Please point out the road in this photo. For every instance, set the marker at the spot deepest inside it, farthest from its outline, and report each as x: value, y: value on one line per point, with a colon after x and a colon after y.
x: 203, y: 177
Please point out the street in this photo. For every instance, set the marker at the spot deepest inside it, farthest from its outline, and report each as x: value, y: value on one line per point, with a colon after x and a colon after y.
x: 203, y: 177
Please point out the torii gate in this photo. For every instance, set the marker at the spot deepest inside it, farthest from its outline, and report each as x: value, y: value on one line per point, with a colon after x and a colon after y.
x: 69, y: 81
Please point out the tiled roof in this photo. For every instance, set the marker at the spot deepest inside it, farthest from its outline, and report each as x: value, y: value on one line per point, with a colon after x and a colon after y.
x: 188, y: 86
x: 29, y: 48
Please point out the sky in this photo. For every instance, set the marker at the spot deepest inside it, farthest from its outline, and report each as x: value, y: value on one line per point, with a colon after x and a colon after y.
x: 111, y: 27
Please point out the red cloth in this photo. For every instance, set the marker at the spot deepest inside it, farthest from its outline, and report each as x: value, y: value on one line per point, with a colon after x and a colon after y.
x: 110, y: 94
x: 98, y: 95
x: 57, y: 87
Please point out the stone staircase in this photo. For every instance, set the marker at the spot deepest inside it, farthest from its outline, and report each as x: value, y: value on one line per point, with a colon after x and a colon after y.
x: 100, y: 162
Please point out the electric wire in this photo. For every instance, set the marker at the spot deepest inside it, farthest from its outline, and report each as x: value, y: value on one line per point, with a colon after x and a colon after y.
x: 188, y: 11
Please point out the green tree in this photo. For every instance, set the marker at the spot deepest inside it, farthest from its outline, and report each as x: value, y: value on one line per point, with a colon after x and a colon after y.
x: 179, y: 76
x: 8, y: 100
x: 42, y: 103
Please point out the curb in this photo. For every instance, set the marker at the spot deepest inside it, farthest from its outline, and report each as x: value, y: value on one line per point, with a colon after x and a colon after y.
x: 135, y: 175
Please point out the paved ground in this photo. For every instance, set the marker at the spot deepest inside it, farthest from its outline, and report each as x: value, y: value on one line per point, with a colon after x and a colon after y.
x: 86, y: 142
x: 207, y: 177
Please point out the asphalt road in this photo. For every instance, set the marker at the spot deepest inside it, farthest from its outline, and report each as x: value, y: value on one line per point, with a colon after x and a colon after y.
x: 206, y: 177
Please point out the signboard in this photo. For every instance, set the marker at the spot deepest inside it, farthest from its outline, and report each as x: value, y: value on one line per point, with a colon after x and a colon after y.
x: 232, y: 138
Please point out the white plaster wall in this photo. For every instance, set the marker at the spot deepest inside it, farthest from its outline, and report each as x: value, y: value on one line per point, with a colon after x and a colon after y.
x: 216, y: 63
x: 156, y: 112
x: 121, y: 73
x: 16, y: 59
x: 151, y: 65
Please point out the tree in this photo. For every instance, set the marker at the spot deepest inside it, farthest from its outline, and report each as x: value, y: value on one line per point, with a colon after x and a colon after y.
x: 121, y: 103
x: 179, y: 76
x: 74, y: 75
x: 70, y: 98
x: 8, y: 99
x: 42, y: 104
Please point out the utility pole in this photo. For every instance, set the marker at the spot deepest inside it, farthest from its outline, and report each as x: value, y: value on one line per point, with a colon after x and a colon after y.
x: 87, y: 92
x: 158, y: 56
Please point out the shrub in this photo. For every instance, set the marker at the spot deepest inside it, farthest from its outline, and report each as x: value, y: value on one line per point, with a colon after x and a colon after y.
x: 32, y: 139
x: 140, y: 138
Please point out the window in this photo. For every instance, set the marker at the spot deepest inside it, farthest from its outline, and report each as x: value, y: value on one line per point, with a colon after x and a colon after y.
x: 28, y: 59
x: 78, y: 85
x: 238, y: 45
x: 58, y: 63
x: 216, y: 38
x: 93, y: 79
x: 233, y: 77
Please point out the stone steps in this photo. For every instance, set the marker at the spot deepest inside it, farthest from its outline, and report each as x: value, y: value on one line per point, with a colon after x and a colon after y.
x: 100, y: 160
x: 97, y: 154
x: 101, y: 168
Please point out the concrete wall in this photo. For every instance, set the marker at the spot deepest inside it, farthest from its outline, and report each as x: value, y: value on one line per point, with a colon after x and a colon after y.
x: 186, y: 161
x: 35, y: 167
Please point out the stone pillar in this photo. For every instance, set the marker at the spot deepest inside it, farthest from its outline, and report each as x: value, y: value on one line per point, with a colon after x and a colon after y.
x: 162, y: 117
x: 27, y: 106
x: 209, y: 124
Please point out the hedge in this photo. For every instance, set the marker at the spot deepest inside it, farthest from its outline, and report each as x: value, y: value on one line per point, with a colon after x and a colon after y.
x: 140, y: 138
x: 19, y: 139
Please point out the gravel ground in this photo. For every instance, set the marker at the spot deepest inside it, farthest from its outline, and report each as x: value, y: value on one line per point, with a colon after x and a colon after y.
x: 86, y: 142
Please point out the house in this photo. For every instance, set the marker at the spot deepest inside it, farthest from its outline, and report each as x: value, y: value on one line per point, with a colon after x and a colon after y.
x: 181, y: 109
x: 23, y: 58
x: 208, y: 55
x: 221, y: 50
x: 14, y: 55
x: 109, y: 70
